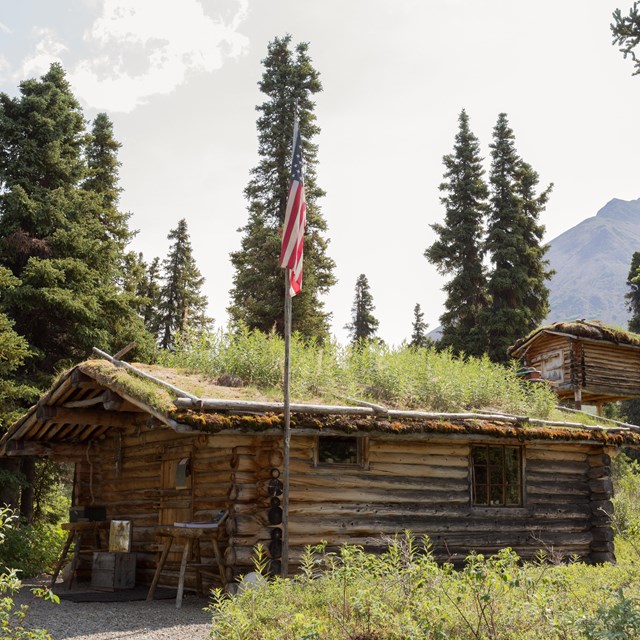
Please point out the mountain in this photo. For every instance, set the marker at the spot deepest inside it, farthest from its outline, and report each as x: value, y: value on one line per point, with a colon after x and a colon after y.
x: 592, y: 262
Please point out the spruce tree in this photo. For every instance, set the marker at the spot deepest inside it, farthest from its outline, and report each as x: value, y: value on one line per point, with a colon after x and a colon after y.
x: 633, y: 295
x: 61, y: 233
x: 257, y: 296
x: 150, y: 289
x: 419, y: 336
x: 182, y: 305
x: 517, y: 290
x: 630, y: 409
x: 457, y: 252
x: 363, y: 325
x: 626, y: 33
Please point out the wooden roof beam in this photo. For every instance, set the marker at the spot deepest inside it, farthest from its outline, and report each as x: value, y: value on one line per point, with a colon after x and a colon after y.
x: 90, y: 417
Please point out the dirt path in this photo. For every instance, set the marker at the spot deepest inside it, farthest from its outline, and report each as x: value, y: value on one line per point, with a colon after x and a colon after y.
x: 120, y: 620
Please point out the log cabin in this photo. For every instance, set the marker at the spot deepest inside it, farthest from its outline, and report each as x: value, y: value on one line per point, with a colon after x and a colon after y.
x: 150, y: 453
x: 587, y: 362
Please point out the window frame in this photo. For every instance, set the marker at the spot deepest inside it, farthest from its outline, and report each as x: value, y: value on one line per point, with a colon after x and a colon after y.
x: 504, y: 484
x: 362, y: 452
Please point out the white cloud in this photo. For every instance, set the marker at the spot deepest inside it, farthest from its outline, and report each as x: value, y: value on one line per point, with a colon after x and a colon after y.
x: 47, y: 50
x: 147, y: 47
x: 4, y: 28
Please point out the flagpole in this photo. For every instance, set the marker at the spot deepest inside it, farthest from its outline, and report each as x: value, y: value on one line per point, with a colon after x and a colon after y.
x: 287, y: 427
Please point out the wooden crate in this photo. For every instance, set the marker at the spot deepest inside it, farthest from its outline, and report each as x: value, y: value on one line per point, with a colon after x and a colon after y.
x: 113, y: 571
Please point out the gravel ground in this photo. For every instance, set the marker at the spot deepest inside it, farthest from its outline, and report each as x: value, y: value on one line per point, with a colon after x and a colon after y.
x: 120, y: 620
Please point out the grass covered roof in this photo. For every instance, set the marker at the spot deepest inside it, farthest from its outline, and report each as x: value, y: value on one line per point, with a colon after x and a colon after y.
x: 592, y: 329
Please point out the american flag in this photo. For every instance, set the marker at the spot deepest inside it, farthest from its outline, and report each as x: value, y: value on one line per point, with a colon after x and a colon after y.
x: 295, y: 219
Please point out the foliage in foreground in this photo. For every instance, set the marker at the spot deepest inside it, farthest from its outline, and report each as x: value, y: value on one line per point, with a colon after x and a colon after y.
x: 397, y: 376
x: 404, y: 594
x: 12, y: 617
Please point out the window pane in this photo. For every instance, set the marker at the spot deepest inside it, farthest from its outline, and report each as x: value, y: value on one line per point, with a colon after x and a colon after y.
x: 340, y: 450
x: 496, y: 455
x: 479, y: 455
x: 480, y: 475
x: 480, y: 494
x: 496, y: 498
x: 495, y: 475
x: 513, y: 494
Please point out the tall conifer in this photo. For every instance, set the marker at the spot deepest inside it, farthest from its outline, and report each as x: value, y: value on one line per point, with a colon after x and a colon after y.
x: 419, y: 328
x: 364, y: 324
x: 182, y: 304
x: 630, y: 409
x: 519, y: 296
x: 457, y: 252
x: 257, y: 296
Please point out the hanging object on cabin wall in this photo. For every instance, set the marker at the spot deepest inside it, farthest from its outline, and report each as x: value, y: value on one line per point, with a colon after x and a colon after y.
x: 183, y: 471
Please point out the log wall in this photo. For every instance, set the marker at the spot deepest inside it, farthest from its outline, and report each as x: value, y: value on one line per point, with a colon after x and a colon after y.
x: 418, y: 484
x: 597, y: 367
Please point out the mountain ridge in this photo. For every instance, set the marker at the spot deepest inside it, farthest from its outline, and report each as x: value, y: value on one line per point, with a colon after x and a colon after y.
x: 592, y: 261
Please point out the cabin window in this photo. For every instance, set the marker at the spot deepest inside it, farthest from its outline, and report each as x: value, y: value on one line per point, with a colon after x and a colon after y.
x: 496, y: 476
x: 344, y: 450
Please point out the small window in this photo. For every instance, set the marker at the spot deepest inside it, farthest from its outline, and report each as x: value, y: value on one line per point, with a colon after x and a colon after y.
x: 339, y: 450
x: 496, y: 476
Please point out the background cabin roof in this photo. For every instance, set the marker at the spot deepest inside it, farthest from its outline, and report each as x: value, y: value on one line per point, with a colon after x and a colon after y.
x: 591, y: 329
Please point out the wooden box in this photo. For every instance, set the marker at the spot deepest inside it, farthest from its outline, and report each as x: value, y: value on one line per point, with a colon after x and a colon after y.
x: 113, y: 571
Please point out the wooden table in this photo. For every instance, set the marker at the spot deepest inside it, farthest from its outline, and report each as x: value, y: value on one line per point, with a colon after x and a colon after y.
x: 76, y: 532
x: 190, y: 536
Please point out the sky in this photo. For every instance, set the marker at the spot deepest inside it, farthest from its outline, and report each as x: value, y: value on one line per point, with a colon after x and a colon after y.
x: 179, y: 81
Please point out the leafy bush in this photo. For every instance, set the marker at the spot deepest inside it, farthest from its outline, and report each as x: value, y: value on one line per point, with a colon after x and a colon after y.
x: 626, y: 476
x: 12, y: 618
x: 397, y: 376
x: 32, y: 549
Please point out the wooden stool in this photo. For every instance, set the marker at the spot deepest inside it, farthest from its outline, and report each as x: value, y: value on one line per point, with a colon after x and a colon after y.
x: 190, y: 536
x: 77, y: 530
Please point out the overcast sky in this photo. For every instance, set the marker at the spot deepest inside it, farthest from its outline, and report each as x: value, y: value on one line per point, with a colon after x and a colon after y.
x: 179, y: 81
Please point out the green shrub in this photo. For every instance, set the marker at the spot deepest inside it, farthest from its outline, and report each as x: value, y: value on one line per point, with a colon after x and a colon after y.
x: 12, y: 617
x: 626, y: 502
x: 32, y: 549
x: 404, y: 594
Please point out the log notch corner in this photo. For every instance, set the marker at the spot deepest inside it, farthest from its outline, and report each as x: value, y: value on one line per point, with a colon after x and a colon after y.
x: 601, y: 493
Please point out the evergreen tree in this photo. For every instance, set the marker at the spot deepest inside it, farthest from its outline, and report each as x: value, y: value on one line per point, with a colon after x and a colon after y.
x: 519, y: 296
x: 182, y: 305
x: 363, y: 325
x: 630, y: 409
x: 150, y: 290
x: 257, y: 297
x: 626, y: 33
x: 458, y: 250
x: 14, y: 350
x: 419, y: 329
x: 633, y: 295
x: 60, y: 231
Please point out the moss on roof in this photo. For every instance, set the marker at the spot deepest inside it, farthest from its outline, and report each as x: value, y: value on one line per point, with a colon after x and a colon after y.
x: 593, y: 329
x: 219, y: 422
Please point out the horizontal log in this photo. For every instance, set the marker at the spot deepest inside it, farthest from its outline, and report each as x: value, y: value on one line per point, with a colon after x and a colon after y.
x: 417, y: 458
x: 366, y: 480
x: 557, y: 467
x: 551, y: 454
x: 433, y: 494
x: 393, y: 446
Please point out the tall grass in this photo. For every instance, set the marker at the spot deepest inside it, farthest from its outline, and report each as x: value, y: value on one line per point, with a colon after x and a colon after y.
x: 404, y: 594
x: 396, y: 376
